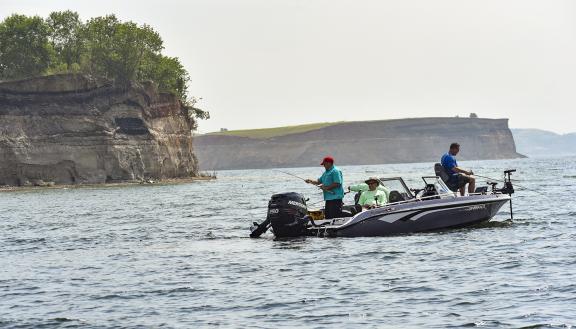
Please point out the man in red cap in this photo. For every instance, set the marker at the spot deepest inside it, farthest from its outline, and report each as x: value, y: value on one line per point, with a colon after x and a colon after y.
x: 331, y: 183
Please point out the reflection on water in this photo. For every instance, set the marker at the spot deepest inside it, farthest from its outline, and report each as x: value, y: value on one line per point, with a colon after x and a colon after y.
x: 179, y: 256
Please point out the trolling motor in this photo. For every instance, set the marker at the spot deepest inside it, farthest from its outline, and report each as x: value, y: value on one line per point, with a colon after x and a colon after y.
x: 508, y: 188
x: 287, y: 215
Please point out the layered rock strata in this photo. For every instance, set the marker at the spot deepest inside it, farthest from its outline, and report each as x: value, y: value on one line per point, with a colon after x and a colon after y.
x: 362, y: 143
x: 74, y: 129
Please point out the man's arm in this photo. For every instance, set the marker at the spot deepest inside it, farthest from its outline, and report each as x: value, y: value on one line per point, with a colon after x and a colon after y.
x: 462, y: 171
x: 382, y: 198
x: 330, y: 187
x: 358, y: 187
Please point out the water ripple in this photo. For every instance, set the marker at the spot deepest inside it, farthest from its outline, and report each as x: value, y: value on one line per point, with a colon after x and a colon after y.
x: 172, y: 256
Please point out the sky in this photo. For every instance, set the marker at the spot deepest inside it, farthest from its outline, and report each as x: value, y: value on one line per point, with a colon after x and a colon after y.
x: 269, y: 63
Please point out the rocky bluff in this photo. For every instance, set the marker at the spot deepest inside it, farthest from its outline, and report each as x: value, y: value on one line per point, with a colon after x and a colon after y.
x: 74, y: 129
x: 361, y: 143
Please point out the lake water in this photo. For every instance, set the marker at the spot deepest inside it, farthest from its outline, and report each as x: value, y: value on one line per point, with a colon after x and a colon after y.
x: 179, y: 256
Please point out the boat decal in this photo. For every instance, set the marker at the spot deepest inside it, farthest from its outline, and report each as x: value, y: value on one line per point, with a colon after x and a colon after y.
x: 463, y: 208
x: 391, y: 218
x: 297, y: 204
x: 407, y: 214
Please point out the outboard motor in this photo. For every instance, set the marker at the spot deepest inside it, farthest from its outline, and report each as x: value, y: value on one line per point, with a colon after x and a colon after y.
x: 287, y: 213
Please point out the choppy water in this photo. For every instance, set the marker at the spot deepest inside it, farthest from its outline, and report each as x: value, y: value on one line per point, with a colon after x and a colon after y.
x: 178, y: 256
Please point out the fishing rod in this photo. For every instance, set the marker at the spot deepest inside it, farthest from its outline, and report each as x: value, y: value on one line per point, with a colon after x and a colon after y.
x: 305, y: 180
x: 493, y: 179
x: 504, y: 180
x: 320, y: 201
x: 290, y: 174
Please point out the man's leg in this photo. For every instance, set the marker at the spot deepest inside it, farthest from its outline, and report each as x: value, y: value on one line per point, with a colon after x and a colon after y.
x: 471, y: 184
x: 328, y: 210
x: 463, y: 180
x: 333, y: 209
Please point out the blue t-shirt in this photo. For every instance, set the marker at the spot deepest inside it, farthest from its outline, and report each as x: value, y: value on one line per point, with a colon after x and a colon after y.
x: 333, y: 175
x: 449, y: 162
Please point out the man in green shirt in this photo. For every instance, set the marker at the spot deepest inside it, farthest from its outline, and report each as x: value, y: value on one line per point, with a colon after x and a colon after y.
x: 373, y: 194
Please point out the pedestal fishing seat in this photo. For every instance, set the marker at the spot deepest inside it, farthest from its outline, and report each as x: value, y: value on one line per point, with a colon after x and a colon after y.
x: 440, y: 172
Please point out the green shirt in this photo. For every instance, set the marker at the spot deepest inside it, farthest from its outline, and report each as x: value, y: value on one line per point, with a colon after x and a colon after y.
x: 364, y: 187
x: 368, y: 198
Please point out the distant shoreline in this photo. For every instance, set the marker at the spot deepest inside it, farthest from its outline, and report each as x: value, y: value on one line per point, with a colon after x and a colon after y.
x: 356, y: 143
x: 168, y: 181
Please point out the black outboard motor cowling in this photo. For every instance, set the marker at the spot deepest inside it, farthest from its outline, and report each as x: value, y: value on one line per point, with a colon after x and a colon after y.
x: 287, y: 213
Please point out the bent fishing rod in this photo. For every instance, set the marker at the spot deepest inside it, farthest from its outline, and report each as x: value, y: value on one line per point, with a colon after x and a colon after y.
x: 504, y: 180
x: 296, y: 176
x: 291, y: 174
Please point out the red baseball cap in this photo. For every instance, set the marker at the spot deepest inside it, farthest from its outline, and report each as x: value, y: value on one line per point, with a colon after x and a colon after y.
x: 327, y: 159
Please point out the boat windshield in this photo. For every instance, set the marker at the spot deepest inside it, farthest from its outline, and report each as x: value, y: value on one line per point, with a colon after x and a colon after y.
x: 440, y: 186
x: 397, y: 184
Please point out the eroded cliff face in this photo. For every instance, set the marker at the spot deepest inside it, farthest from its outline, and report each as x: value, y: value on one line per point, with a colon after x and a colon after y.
x: 362, y: 143
x: 74, y: 129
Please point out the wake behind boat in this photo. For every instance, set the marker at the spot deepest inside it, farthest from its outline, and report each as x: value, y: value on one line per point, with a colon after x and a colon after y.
x: 432, y: 208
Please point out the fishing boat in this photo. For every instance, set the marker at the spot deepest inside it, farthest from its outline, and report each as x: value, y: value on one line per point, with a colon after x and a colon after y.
x: 433, y: 208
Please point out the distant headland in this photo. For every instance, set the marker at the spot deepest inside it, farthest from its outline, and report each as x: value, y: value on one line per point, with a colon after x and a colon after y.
x: 356, y: 143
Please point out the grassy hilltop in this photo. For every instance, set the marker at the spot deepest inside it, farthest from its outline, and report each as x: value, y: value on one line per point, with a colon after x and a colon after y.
x: 274, y: 132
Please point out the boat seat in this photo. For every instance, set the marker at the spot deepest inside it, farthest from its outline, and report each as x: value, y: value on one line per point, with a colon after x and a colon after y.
x: 351, y: 210
x: 395, y: 196
x: 357, y: 197
x: 440, y: 172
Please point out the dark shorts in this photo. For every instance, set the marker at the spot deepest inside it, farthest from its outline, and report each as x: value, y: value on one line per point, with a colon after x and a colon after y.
x: 333, y: 209
x: 457, y: 181
x: 463, y: 180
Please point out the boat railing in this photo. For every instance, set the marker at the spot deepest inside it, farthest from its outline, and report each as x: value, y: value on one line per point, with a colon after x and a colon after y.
x: 418, y: 199
x: 450, y: 194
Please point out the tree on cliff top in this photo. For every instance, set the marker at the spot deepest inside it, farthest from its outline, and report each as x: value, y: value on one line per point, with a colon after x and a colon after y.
x: 102, y: 46
x: 24, y: 48
x: 64, y: 38
x: 122, y: 51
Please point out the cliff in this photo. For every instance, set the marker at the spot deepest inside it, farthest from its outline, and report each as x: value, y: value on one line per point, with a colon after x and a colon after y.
x: 359, y: 143
x: 74, y: 129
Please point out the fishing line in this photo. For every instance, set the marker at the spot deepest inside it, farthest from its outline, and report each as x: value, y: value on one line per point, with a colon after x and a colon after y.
x: 516, y: 185
x: 290, y: 174
x: 317, y: 202
x: 287, y: 173
x: 494, y: 179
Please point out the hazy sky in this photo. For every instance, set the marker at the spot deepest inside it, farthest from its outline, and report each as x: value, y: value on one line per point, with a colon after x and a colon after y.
x: 263, y: 63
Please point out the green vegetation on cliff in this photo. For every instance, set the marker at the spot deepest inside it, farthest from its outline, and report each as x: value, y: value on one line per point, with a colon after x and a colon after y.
x: 274, y: 132
x: 102, y: 46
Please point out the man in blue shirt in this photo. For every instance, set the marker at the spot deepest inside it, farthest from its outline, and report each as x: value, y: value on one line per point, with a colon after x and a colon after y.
x: 458, y: 176
x: 331, y: 183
